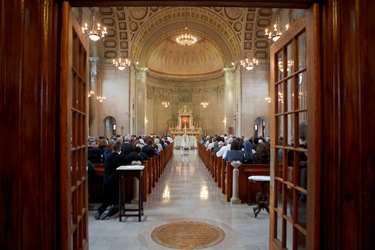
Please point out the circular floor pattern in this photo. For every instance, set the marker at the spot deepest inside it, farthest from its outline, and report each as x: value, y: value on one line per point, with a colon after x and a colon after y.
x: 188, y: 235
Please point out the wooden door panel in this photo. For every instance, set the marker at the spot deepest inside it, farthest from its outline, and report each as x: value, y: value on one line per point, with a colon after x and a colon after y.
x: 73, y: 134
x: 293, y: 168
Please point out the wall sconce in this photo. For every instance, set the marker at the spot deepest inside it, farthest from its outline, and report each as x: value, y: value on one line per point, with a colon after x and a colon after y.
x: 146, y: 121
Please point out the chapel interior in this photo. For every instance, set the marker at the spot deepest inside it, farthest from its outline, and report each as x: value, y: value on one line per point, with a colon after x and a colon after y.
x: 60, y: 88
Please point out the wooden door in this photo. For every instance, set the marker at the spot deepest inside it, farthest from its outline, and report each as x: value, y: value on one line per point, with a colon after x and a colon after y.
x: 295, y: 114
x: 73, y: 133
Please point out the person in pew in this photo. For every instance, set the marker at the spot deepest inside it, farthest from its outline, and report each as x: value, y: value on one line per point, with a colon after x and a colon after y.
x: 248, y: 152
x: 235, y: 153
x: 127, y: 147
x: 149, y: 149
x: 110, y: 184
x: 223, y: 150
x: 262, y: 155
x: 137, y: 155
x: 108, y: 149
x: 94, y: 154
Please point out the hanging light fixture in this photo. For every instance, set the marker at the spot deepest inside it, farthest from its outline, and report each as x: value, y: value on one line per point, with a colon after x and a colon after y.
x: 165, y: 104
x: 96, y: 32
x: 204, y: 104
x: 186, y: 39
x: 100, y: 98
x: 276, y: 33
x: 121, y: 64
x: 91, y: 92
x: 249, y: 63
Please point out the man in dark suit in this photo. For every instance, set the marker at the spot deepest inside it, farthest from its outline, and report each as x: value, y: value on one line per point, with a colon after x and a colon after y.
x: 110, y: 183
x: 127, y: 147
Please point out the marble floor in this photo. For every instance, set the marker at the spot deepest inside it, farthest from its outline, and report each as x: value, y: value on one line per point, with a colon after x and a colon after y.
x: 185, y: 191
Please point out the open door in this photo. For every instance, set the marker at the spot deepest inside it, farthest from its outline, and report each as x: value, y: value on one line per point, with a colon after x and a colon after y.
x: 73, y: 134
x: 295, y: 115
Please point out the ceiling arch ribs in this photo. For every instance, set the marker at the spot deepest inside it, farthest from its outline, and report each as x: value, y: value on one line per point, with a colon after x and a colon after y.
x: 227, y: 32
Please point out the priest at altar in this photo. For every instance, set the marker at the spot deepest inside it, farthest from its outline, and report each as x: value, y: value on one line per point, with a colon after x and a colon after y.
x: 185, y: 141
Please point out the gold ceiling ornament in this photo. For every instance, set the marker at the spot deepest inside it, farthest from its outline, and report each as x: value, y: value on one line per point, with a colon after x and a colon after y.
x: 186, y: 38
x: 122, y: 64
x: 96, y: 32
x: 276, y: 33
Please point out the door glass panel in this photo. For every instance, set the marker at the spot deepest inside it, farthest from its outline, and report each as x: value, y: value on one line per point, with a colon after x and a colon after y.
x: 290, y: 129
x: 289, y: 236
x: 279, y: 194
x: 280, y: 127
x: 302, y: 198
x: 302, y: 51
x: 280, y: 98
x: 279, y: 224
x: 289, y: 207
x: 279, y: 66
x: 302, y: 91
x: 302, y: 127
x: 290, y: 95
x: 301, y: 241
x: 290, y: 63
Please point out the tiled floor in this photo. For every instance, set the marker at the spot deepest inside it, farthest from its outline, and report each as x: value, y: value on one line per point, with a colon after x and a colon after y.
x: 185, y: 191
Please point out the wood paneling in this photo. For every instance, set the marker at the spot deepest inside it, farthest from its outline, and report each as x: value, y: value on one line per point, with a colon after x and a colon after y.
x: 348, y: 130
x: 28, y: 97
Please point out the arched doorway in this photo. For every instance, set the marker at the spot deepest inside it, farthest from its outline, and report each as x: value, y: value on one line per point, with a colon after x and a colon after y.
x: 260, y: 127
x: 110, y: 126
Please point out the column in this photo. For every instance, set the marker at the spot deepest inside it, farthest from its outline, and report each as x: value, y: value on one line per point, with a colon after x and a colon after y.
x: 235, y: 188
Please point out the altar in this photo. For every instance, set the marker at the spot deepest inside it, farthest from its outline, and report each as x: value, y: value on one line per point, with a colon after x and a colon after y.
x: 185, y: 125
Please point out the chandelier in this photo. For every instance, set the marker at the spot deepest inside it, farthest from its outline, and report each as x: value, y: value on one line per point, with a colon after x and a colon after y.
x: 204, y: 104
x: 90, y: 93
x: 121, y: 64
x: 186, y: 39
x: 100, y: 98
x: 249, y: 63
x: 276, y: 33
x: 165, y: 104
x: 96, y: 33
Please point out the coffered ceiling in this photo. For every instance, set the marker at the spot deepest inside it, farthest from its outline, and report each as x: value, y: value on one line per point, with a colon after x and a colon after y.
x: 147, y: 35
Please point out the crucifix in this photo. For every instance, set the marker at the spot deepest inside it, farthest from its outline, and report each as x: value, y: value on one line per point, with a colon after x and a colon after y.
x: 122, y: 129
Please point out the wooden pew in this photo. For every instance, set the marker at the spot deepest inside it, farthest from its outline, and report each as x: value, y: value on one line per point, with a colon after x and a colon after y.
x: 247, y: 190
x: 95, y: 184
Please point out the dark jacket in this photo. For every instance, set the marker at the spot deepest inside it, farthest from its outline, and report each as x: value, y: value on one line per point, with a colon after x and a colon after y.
x: 127, y: 148
x: 149, y: 151
x: 112, y: 162
x: 94, y: 154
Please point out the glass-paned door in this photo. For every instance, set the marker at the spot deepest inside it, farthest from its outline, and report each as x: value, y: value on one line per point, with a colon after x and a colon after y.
x: 294, y: 101
x: 73, y: 134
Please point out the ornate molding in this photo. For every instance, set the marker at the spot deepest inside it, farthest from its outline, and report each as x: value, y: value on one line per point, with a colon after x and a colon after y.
x: 176, y: 83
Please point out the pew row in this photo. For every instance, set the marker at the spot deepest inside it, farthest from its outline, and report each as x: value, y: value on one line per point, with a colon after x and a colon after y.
x: 153, y: 170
